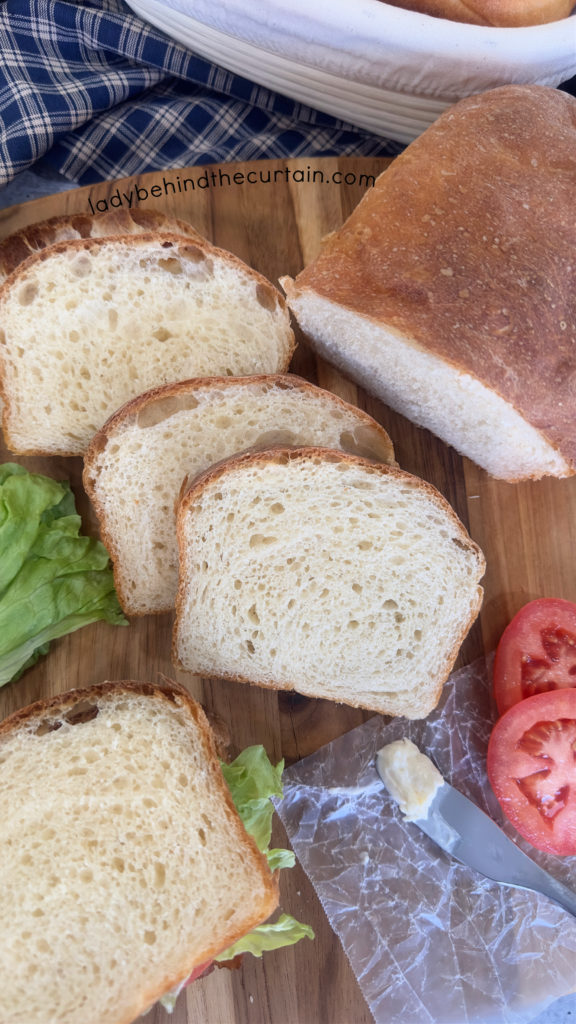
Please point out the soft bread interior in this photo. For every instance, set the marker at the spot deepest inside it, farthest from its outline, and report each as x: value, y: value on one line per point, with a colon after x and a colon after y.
x: 123, y: 863
x: 427, y: 390
x: 326, y: 574
x: 23, y: 243
x: 86, y: 325
x: 135, y: 468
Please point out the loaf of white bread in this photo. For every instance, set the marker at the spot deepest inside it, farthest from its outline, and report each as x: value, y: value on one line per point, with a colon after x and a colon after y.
x: 136, y: 464
x: 86, y: 324
x: 124, y: 862
x: 498, y: 13
x: 450, y: 292
x: 318, y: 571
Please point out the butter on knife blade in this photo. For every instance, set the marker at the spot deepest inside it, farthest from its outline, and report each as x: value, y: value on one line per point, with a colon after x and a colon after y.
x: 458, y: 826
x: 409, y: 776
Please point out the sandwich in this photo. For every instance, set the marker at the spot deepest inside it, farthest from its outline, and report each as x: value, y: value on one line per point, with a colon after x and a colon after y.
x: 131, y: 857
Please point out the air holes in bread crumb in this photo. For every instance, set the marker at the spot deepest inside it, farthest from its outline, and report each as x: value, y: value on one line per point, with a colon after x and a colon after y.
x: 364, y: 485
x: 161, y: 334
x: 82, y: 266
x: 47, y: 726
x: 171, y: 265
x: 274, y: 437
x: 250, y: 646
x: 193, y: 253
x: 82, y: 712
x: 149, y: 938
x: 27, y: 294
x: 258, y: 540
x: 266, y: 296
x: 460, y: 544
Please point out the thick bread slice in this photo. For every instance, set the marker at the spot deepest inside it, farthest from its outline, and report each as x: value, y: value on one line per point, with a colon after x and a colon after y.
x: 21, y: 244
x: 124, y: 862
x: 500, y: 13
x: 322, y: 572
x: 135, y: 466
x: 450, y: 292
x: 89, y: 323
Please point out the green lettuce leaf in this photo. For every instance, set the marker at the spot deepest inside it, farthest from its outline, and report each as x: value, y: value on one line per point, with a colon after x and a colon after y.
x: 253, y: 781
x: 283, y: 932
x: 52, y: 580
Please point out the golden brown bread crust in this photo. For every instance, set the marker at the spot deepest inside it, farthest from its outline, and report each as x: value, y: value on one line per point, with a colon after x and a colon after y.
x: 284, y: 454
x: 498, y: 13
x: 18, y: 246
x: 466, y: 248
x: 49, y: 714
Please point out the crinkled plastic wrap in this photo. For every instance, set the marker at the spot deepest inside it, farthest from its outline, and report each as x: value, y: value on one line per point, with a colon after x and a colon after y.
x: 428, y: 939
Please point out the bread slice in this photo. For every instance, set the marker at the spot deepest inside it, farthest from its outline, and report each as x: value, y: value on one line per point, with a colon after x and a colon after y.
x: 89, y: 323
x: 18, y: 246
x: 449, y: 291
x: 124, y: 862
x: 135, y: 466
x: 312, y: 570
x: 499, y: 13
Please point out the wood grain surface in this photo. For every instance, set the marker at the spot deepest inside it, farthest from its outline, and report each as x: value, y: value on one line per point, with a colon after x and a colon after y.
x: 273, y: 214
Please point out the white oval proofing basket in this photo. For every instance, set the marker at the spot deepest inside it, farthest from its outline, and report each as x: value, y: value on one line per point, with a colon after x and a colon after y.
x: 389, y: 71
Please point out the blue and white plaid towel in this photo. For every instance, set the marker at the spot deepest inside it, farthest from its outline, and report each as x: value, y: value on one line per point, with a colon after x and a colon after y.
x: 98, y: 94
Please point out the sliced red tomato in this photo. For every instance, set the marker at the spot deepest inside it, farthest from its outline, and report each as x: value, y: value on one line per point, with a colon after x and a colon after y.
x: 532, y: 769
x: 537, y: 652
x: 199, y: 971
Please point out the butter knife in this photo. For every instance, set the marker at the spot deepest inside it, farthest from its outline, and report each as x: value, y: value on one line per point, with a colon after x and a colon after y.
x: 460, y: 828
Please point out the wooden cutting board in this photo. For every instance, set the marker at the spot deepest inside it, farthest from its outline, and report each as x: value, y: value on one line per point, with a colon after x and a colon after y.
x: 273, y: 214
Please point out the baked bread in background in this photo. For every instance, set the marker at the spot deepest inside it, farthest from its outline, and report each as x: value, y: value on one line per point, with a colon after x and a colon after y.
x: 317, y: 571
x: 136, y: 465
x: 87, y: 324
x: 124, y: 862
x: 499, y: 13
x: 450, y: 292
